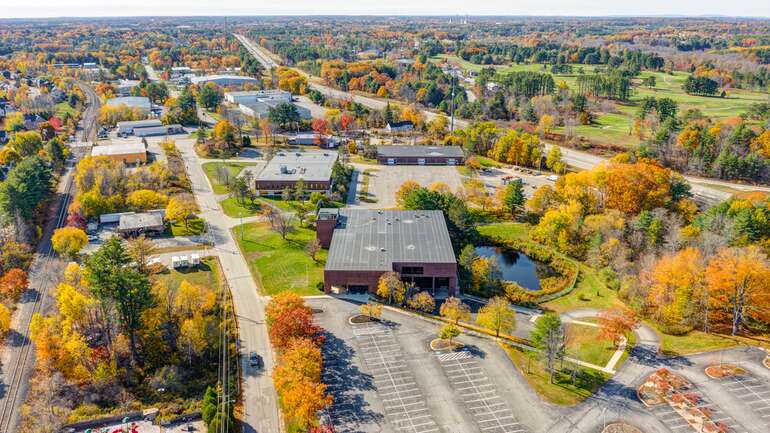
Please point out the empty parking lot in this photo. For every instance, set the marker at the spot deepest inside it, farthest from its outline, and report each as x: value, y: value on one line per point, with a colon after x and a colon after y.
x: 480, y: 397
x: 753, y: 394
x: 403, y: 402
x: 385, y: 180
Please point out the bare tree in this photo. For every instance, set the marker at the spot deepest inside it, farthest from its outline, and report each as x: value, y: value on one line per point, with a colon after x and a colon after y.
x: 281, y: 223
x: 312, y: 248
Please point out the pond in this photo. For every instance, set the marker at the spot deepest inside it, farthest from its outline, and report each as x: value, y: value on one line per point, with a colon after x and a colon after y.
x: 517, y: 267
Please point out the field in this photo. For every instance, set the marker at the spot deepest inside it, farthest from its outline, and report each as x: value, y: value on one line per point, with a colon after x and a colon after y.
x: 616, y: 127
x: 281, y: 264
x: 234, y: 168
x: 232, y: 208
x: 206, y: 274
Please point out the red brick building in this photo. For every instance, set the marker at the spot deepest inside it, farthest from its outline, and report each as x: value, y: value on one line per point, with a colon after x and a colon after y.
x: 364, y: 243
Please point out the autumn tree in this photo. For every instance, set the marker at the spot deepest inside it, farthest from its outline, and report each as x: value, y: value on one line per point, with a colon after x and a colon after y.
x: 497, y: 316
x: 13, y: 283
x: 676, y: 290
x: 422, y: 301
x: 391, y: 288
x: 68, y: 241
x: 140, y: 249
x: 617, y: 322
x: 404, y: 190
x: 284, y: 302
x: 146, y: 199
x: 449, y: 332
x: 371, y: 310
x: 280, y: 222
x: 290, y: 325
x: 738, y: 282
x: 549, y: 336
x: 455, y: 310
x: 511, y: 197
x: 181, y: 209
x: 5, y: 320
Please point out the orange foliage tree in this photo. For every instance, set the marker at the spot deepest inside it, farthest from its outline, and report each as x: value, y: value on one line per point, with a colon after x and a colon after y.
x: 616, y: 322
x: 13, y: 283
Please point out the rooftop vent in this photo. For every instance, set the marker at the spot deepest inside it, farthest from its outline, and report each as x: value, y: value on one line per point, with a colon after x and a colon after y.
x: 382, y: 250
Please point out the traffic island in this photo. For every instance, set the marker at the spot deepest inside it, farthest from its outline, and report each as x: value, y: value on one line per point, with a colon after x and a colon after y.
x: 441, y: 344
x: 360, y: 319
x: 620, y: 427
x: 721, y: 371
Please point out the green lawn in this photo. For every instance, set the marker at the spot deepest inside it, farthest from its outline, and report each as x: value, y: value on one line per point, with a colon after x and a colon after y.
x: 195, y: 227
x: 590, y: 292
x: 562, y: 391
x: 279, y: 264
x: 586, y: 344
x: 63, y: 107
x: 694, y: 342
x: 233, y: 168
x: 206, y: 274
x: 506, y: 231
x: 233, y: 208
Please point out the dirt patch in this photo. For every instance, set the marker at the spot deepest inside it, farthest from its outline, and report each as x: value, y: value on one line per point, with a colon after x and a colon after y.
x: 360, y: 318
x: 720, y: 371
x: 439, y: 344
x: 620, y: 427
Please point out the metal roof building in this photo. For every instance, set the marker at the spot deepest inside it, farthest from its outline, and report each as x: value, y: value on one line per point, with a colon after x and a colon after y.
x: 420, y: 155
x: 128, y: 153
x: 141, y: 102
x: 365, y: 243
x: 137, y: 223
x: 224, y: 80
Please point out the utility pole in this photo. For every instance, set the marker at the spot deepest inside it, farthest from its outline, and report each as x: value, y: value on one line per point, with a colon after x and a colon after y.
x: 452, y: 120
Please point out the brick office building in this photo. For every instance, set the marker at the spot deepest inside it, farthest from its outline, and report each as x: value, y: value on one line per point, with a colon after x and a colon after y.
x: 365, y: 243
x: 420, y: 155
x: 314, y: 169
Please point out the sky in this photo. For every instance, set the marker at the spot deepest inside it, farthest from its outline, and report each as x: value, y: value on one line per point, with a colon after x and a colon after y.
x: 91, y: 8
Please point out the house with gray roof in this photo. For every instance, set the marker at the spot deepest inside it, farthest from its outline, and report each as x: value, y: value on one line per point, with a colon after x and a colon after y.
x: 366, y: 243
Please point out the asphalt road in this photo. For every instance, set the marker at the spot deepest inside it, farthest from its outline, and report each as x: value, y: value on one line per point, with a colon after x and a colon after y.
x: 259, y: 397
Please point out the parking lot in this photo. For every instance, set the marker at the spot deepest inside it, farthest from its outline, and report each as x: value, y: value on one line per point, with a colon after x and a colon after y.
x: 385, y: 180
x: 753, y: 394
x: 676, y: 424
x: 479, y: 395
x: 403, y: 402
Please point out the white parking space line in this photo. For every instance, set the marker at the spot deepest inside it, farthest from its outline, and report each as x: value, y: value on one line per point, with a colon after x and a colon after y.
x: 404, y: 405
x: 468, y: 379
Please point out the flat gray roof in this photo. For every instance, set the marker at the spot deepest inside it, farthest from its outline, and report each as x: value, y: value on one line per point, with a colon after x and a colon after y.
x: 293, y: 166
x: 139, y: 221
x: 131, y: 101
x: 372, y: 240
x: 119, y: 149
x: 420, y: 151
x: 140, y: 123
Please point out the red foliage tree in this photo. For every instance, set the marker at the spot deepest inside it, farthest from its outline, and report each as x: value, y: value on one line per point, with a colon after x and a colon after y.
x: 13, y: 283
x: 616, y: 322
x: 76, y: 219
x: 293, y: 324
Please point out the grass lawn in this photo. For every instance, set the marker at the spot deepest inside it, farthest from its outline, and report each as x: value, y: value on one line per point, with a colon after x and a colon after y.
x: 234, y: 168
x: 363, y: 192
x: 284, y: 205
x: 63, y: 107
x: 562, y: 391
x: 279, y: 264
x: 506, y: 231
x: 195, y: 227
x: 232, y: 208
x: 586, y: 344
x: 694, y: 342
x: 206, y: 274
x: 590, y: 292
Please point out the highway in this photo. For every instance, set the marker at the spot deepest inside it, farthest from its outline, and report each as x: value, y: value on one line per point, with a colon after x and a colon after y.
x: 706, y: 191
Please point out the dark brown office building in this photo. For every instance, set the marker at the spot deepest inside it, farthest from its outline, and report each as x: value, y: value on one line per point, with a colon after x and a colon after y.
x: 364, y: 243
x: 420, y: 155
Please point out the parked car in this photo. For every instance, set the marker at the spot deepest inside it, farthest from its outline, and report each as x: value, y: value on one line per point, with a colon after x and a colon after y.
x: 255, y: 360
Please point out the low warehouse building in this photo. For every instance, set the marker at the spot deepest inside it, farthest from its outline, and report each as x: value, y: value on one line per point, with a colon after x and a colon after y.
x: 224, y: 80
x: 135, y: 224
x: 127, y: 128
x: 420, y: 155
x: 127, y: 153
x: 154, y: 131
x: 286, y: 169
x: 365, y: 243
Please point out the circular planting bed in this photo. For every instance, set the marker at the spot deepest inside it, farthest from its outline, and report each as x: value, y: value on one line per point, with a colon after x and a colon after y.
x: 439, y: 344
x: 361, y: 318
x: 620, y: 427
x: 719, y: 371
x: 317, y: 311
x: 766, y: 361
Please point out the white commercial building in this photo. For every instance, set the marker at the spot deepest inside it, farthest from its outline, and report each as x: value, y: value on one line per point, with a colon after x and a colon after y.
x: 251, y: 96
x: 141, y: 102
x: 224, y: 80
